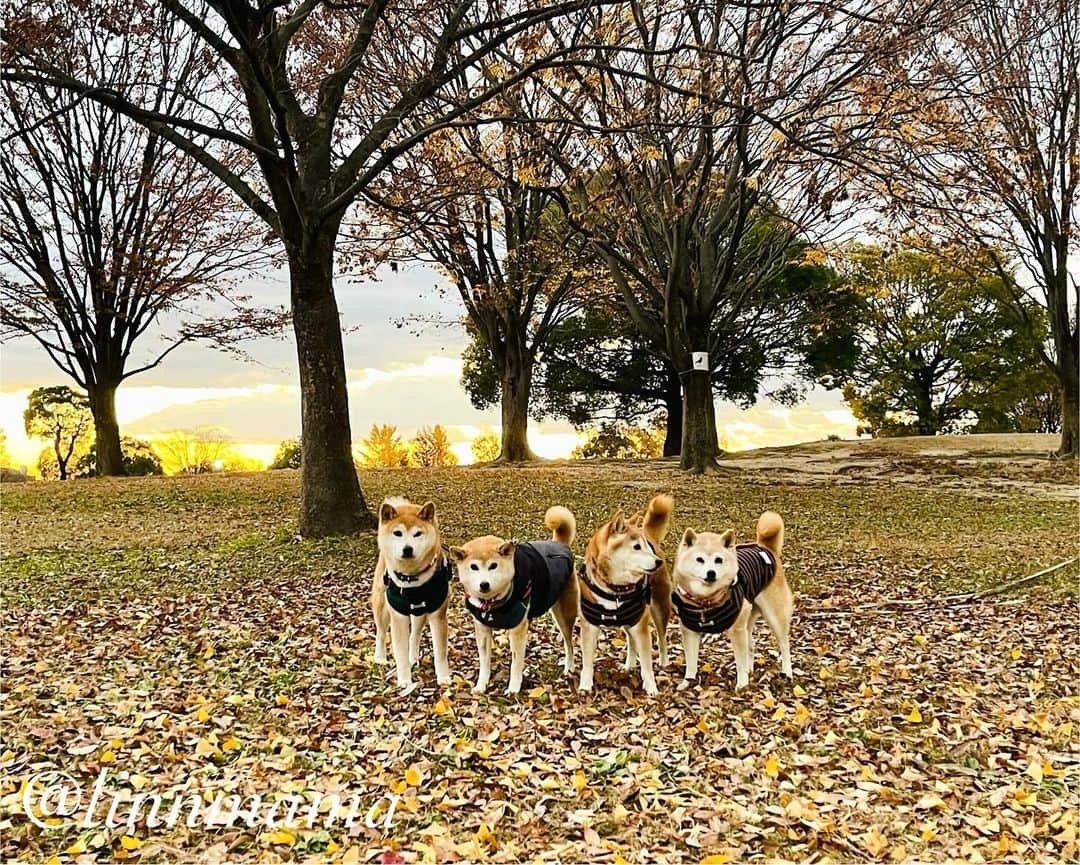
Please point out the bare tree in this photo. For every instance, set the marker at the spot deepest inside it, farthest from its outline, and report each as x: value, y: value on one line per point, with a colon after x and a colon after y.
x: 319, y: 98
x: 712, y: 150
x: 984, y: 152
x: 479, y: 202
x: 112, y: 239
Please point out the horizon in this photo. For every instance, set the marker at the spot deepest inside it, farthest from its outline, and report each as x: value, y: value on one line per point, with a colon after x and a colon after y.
x: 400, y: 372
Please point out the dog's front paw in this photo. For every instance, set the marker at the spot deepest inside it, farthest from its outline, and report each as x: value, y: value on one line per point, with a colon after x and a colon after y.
x: 445, y: 680
x: 407, y: 688
x: 650, y: 688
x: 684, y: 685
x: 479, y: 689
x: 380, y: 658
x: 511, y: 690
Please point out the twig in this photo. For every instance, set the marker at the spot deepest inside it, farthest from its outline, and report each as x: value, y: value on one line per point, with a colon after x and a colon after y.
x: 964, y: 598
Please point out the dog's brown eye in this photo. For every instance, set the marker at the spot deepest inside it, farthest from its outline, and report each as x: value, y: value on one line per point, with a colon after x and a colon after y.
x: 493, y: 566
x: 417, y: 534
x: 701, y: 560
x: 474, y: 566
x: 718, y: 560
x: 398, y: 533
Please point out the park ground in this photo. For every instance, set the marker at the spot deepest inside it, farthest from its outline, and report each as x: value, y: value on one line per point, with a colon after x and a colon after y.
x: 174, y: 632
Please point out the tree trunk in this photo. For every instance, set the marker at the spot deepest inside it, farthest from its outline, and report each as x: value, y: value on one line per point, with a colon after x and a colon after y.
x: 699, y: 445
x: 1070, y: 400
x: 673, y: 404
x: 110, y: 456
x: 516, y: 388
x: 331, y: 501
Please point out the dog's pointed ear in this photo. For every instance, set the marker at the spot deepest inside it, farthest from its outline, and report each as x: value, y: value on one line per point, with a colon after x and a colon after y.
x: 387, y: 512
x: 427, y: 512
x: 688, y: 537
x: 635, y: 520
x: 507, y: 548
x: 617, y: 524
x: 728, y: 538
x: 457, y: 554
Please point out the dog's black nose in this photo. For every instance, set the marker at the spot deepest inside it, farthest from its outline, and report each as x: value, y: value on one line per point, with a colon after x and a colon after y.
x: 710, y: 576
x: 406, y: 552
x: 485, y: 587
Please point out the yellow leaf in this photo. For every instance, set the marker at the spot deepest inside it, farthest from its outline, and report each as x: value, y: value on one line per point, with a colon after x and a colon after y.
x: 483, y: 836
x: 779, y: 713
x: 281, y: 837
x: 116, y: 743
x: 538, y: 692
x: 875, y: 842
x: 202, y: 715
x: 282, y: 699
x: 77, y: 848
x: 137, y: 782
x: 798, y: 691
x: 53, y: 860
x: 716, y: 859
x: 772, y: 767
x: 928, y: 835
x: 916, y: 716
x: 205, y: 748
x: 1016, y: 654
x: 129, y: 843
x: 413, y: 777
x: 209, y: 653
x: 920, y: 639
x: 230, y: 744
x: 108, y: 757
x: 701, y: 725
x: 1035, y: 771
x: 580, y: 783
x: 352, y: 856
x: 802, y: 714
x: 443, y: 707
x: 1025, y: 797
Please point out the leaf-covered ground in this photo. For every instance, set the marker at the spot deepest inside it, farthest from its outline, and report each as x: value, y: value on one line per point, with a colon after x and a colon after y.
x: 174, y: 633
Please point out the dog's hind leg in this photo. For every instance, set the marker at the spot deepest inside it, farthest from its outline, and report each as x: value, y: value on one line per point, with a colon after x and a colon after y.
x: 691, y: 642
x: 564, y: 618
x: 437, y: 624
x: 483, y: 649
x: 631, y: 651
x: 660, y: 620
x: 755, y: 614
x: 415, y: 633
x: 590, y: 634
x: 779, y: 619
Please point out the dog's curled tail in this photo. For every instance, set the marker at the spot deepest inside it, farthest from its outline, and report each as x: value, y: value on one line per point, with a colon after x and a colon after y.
x: 770, y: 531
x: 562, y: 524
x: 658, y: 518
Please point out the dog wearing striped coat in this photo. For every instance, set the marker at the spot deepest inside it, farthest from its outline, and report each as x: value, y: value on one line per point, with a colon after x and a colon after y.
x: 721, y: 587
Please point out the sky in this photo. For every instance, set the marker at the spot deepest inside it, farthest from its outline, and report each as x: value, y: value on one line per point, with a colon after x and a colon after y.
x: 403, y: 344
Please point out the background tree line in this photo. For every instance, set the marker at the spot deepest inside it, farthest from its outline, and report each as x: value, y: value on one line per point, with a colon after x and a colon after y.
x: 638, y: 203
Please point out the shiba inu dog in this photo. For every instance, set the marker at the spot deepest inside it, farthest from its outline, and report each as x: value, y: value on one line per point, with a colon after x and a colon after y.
x: 410, y: 588
x: 510, y: 583
x: 724, y: 588
x: 623, y: 583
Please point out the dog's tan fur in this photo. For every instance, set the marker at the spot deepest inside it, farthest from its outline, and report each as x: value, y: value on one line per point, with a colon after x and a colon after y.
x: 491, y: 550
x: 611, y: 561
x: 416, y: 523
x: 774, y: 603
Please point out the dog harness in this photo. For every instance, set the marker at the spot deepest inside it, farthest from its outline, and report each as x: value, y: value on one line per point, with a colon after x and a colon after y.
x: 422, y: 599
x: 541, y: 569
x: 757, y: 566
x: 630, y: 603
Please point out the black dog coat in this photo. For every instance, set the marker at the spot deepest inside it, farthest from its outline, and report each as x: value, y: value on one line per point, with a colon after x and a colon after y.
x: 541, y: 569
x: 422, y: 599
x: 627, y: 606
x: 757, y: 566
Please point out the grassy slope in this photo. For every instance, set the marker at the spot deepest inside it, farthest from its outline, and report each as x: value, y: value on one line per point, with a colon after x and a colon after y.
x: 129, y: 598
